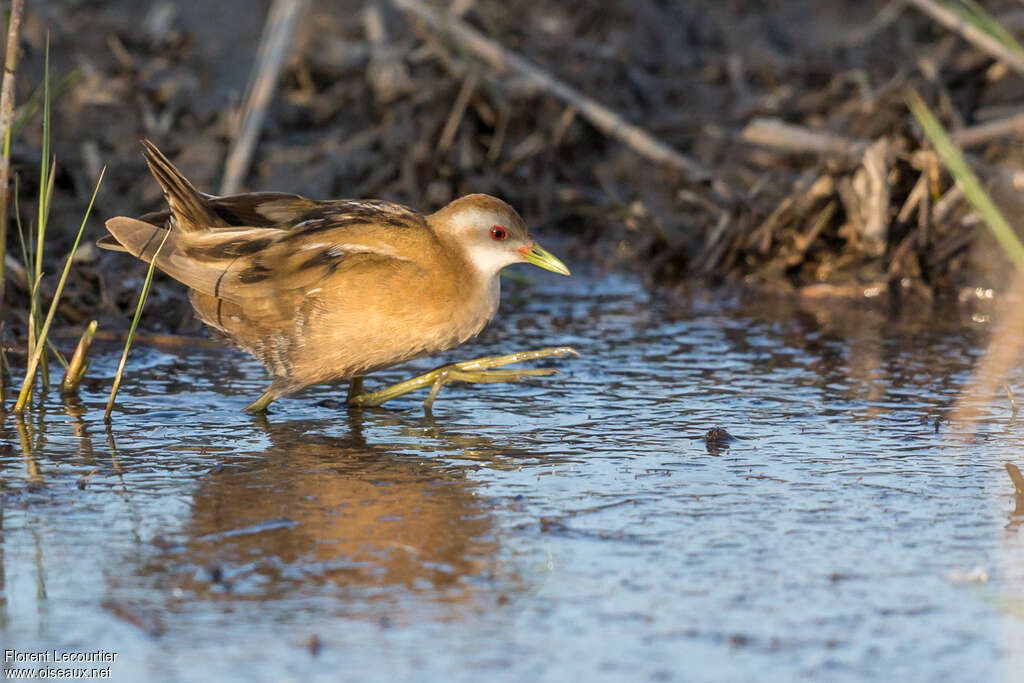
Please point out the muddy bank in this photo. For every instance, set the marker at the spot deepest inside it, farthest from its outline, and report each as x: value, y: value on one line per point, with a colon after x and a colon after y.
x: 817, y: 179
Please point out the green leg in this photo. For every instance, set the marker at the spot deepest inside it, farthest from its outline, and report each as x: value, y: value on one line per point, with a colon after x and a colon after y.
x: 355, y: 387
x: 260, y: 404
x: 478, y: 370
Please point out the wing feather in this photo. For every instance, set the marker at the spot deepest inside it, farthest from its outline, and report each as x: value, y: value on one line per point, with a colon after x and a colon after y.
x: 266, y: 251
x: 189, y: 206
x: 247, y: 264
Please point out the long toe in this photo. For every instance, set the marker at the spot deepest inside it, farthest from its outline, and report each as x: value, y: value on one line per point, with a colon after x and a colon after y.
x: 490, y: 376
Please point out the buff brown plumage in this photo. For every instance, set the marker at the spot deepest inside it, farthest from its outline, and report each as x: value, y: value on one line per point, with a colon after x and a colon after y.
x: 320, y: 291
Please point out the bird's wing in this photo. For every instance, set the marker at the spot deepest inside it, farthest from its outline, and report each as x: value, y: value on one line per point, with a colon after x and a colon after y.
x: 252, y: 209
x: 207, y: 261
x: 263, y: 246
x: 250, y: 263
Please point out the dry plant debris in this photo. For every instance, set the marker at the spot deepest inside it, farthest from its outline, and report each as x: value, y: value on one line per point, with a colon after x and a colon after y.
x: 788, y: 158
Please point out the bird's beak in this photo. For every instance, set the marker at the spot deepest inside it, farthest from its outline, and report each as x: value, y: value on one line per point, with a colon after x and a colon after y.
x: 543, y: 258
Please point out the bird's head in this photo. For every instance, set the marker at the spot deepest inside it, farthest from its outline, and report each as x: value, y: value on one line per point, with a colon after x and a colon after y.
x: 492, y: 235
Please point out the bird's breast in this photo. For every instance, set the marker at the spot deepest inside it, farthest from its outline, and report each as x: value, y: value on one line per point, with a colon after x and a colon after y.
x: 387, y: 319
x: 468, y: 314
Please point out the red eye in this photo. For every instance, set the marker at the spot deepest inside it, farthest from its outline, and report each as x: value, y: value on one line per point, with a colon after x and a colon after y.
x: 498, y: 233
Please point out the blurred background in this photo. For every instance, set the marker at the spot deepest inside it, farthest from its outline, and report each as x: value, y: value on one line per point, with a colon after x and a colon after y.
x: 748, y: 474
x: 797, y: 163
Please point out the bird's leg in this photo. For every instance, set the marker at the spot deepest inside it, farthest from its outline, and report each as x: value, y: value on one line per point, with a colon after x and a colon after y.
x: 478, y: 370
x: 276, y: 390
x: 260, y: 404
x: 355, y: 387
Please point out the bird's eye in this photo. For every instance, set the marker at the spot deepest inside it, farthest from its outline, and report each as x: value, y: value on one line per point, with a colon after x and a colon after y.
x: 498, y: 233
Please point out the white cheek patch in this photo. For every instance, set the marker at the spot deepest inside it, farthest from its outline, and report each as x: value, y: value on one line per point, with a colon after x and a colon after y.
x: 490, y: 259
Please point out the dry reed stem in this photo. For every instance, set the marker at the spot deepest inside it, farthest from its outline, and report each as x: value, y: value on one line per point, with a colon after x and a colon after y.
x: 275, y: 44
x: 6, y: 117
x: 788, y: 137
x: 971, y: 33
x: 451, y: 126
x: 600, y: 116
x: 386, y: 73
x: 979, y: 134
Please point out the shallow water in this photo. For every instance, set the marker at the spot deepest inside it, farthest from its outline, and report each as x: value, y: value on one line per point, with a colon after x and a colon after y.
x: 577, y: 527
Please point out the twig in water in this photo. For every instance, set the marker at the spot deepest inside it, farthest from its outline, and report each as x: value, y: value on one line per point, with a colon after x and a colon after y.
x: 1016, y: 477
x: 173, y: 340
x: 6, y: 117
x: 600, y: 116
x: 79, y: 362
x: 1013, y: 402
x: 131, y: 331
x: 274, y: 46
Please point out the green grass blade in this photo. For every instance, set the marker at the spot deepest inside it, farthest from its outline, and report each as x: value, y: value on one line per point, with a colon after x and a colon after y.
x: 44, y: 367
x: 56, y: 352
x: 954, y: 160
x: 46, y: 173
x: 21, y: 238
x: 973, y: 13
x: 45, y: 181
x: 23, y: 115
x: 131, y: 331
x: 37, y: 351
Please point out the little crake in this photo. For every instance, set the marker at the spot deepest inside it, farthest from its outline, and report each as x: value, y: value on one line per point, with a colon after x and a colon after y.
x: 321, y: 291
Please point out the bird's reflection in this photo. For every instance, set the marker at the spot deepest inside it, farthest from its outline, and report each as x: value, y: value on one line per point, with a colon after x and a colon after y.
x: 315, y: 512
x: 1017, y: 479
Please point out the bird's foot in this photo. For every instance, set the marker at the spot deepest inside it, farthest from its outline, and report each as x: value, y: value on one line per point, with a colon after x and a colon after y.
x: 355, y: 388
x: 260, y: 404
x: 478, y: 370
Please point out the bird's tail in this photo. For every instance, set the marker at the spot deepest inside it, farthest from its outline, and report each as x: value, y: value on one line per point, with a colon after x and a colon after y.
x: 191, y: 208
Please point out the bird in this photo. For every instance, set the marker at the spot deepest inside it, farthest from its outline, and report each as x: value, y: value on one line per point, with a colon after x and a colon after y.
x: 322, y: 291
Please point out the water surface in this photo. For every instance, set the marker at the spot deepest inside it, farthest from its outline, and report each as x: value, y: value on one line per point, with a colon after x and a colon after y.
x: 578, y: 527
